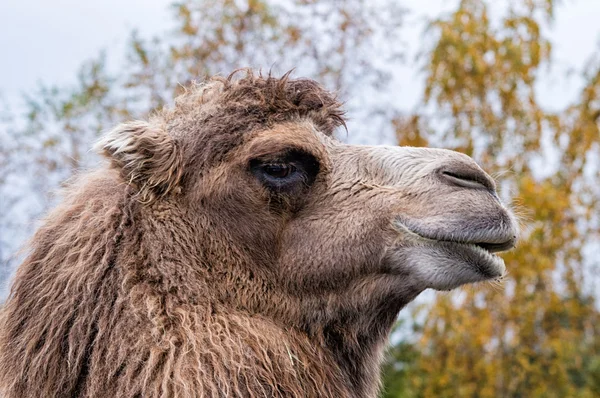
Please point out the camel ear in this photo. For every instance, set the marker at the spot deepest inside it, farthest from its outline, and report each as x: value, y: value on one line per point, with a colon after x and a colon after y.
x: 147, y: 157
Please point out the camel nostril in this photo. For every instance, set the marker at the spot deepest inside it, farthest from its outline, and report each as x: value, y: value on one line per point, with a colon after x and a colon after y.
x: 469, y: 178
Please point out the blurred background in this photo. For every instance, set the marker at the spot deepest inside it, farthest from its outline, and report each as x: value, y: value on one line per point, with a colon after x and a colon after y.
x: 515, y: 84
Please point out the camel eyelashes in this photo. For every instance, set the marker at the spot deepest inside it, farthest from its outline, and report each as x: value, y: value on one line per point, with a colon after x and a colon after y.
x: 279, y: 170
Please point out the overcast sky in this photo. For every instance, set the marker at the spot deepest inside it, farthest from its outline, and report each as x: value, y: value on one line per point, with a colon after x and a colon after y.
x: 46, y: 41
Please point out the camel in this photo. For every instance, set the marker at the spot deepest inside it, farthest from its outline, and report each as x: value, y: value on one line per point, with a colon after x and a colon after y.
x: 233, y: 247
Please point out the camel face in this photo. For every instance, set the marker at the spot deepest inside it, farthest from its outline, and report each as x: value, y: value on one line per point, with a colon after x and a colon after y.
x: 326, y: 215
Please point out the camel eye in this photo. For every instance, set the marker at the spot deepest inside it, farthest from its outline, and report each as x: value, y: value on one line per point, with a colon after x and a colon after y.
x: 288, y: 173
x: 279, y: 170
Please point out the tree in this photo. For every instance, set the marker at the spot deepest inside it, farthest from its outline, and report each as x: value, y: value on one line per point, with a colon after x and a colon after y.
x: 537, y: 335
x: 45, y: 148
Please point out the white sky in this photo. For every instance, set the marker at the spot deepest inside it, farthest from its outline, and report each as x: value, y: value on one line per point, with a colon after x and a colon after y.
x: 47, y: 41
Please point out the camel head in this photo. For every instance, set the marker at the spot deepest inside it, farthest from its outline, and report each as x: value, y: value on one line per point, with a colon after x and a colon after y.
x: 313, y: 212
x: 276, y: 217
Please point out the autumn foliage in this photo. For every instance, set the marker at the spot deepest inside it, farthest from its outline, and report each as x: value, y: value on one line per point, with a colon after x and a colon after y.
x: 537, y: 334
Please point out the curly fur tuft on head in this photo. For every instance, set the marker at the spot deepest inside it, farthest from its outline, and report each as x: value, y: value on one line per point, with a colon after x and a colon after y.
x: 256, y: 99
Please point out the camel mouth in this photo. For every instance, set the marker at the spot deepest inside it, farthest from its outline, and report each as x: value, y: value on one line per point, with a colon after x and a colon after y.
x: 497, y: 247
x: 478, y: 257
x: 493, y: 244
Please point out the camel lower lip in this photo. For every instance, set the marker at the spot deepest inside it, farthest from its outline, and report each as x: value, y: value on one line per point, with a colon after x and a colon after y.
x: 482, y: 260
x: 479, y: 258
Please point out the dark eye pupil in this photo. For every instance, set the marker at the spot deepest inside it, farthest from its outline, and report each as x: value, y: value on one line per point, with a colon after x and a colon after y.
x: 278, y: 170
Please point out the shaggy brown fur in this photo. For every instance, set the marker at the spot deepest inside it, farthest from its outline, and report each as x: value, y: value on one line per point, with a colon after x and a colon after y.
x: 177, y: 272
